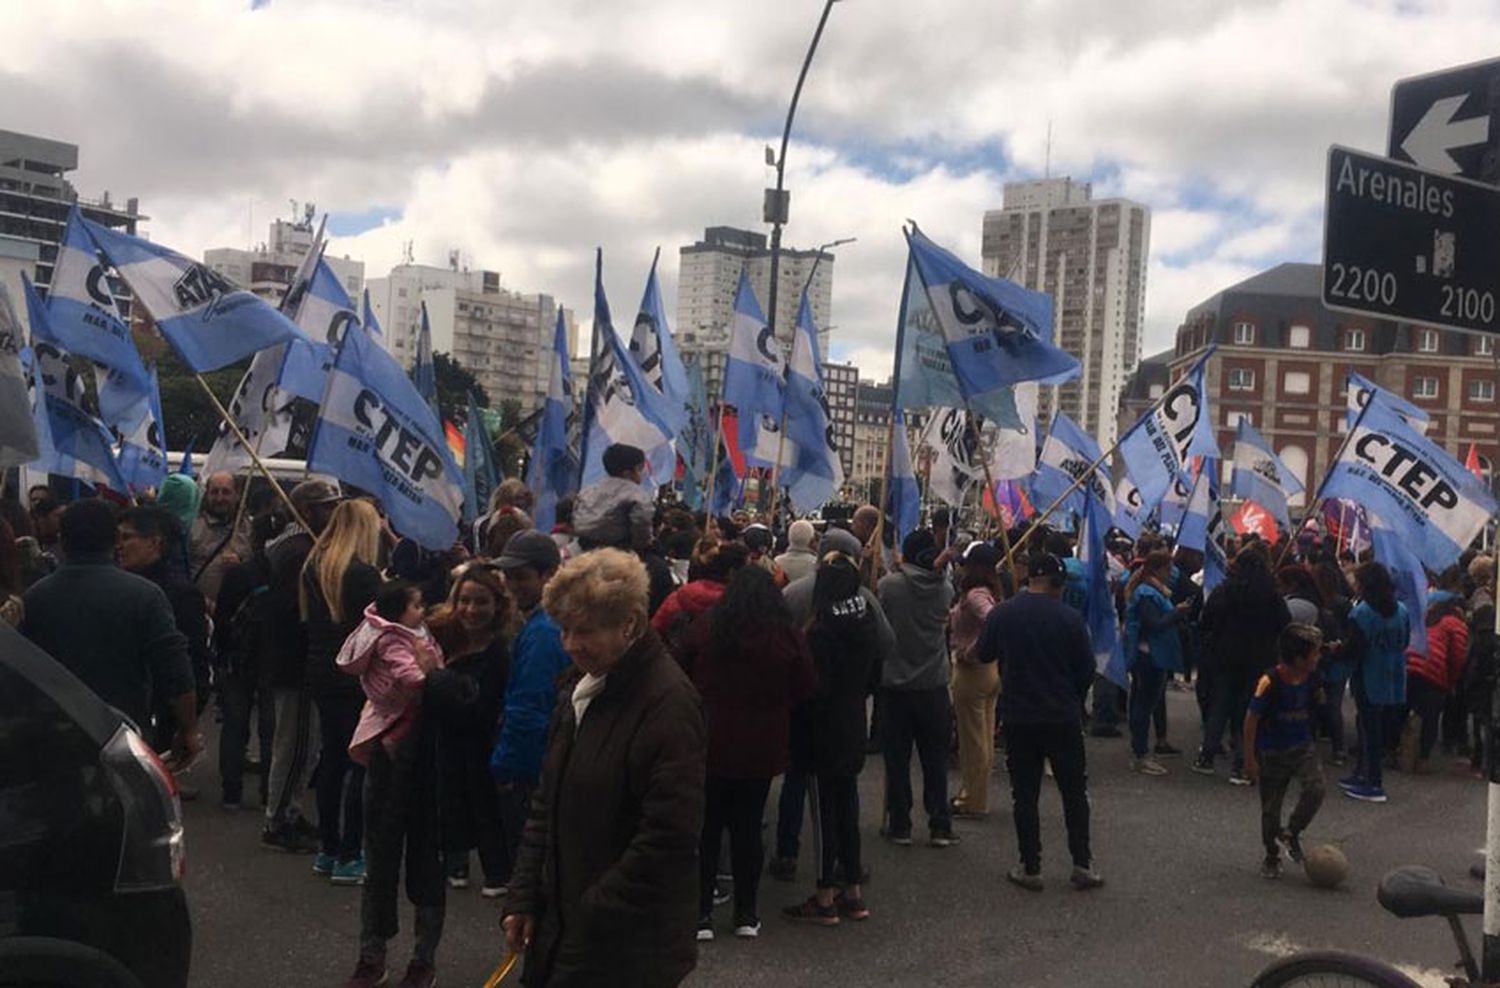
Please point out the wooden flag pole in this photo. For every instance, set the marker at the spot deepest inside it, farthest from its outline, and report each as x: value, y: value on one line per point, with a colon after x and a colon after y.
x: 885, y: 491
x: 1318, y: 497
x: 713, y: 470
x: 502, y: 971
x: 989, y: 484
x: 255, y: 456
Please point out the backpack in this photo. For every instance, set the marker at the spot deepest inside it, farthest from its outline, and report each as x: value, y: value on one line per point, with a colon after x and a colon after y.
x: 246, y: 634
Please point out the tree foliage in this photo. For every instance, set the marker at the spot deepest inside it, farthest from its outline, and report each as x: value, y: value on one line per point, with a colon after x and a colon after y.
x: 453, y: 386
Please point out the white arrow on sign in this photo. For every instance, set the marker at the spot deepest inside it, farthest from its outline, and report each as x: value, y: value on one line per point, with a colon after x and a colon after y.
x: 1437, y: 133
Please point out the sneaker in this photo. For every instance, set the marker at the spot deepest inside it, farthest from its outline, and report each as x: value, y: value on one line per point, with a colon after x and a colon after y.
x: 747, y: 927
x: 419, y: 974
x: 721, y: 896
x: 1293, y: 844
x: 961, y: 811
x: 782, y: 869
x: 367, y: 974
x: 1366, y: 793
x: 848, y: 908
x: 1020, y: 876
x: 1203, y: 765
x: 232, y: 804
x: 1351, y: 781
x: 705, y: 929
x: 1165, y: 749
x: 324, y: 864
x: 289, y: 840
x: 808, y: 911
x: 942, y: 838
x: 899, y: 839
x: 494, y: 891
x: 458, y: 880
x: 1148, y: 766
x: 1084, y: 879
x: 1270, y: 868
x: 351, y: 872
x: 1239, y: 778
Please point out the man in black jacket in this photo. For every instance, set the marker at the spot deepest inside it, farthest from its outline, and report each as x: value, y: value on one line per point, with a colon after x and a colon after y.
x: 1047, y: 666
x: 114, y: 630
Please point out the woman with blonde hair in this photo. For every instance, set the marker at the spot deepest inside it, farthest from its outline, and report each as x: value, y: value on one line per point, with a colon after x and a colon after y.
x: 605, y: 889
x: 339, y: 580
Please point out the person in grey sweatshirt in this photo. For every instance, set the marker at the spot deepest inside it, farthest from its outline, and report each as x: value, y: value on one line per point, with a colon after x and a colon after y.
x: 916, y: 708
x: 615, y: 511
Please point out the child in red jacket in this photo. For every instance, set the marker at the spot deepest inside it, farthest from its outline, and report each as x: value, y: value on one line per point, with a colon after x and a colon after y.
x: 1432, y: 677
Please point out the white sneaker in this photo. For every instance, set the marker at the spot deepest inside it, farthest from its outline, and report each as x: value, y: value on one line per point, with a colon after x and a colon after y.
x: 494, y: 891
x: 749, y: 930
x: 1148, y: 766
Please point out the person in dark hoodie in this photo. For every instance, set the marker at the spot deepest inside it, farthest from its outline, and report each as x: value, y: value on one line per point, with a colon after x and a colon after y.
x: 914, y: 688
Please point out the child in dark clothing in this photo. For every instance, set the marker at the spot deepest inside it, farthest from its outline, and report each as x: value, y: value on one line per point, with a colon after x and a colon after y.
x: 1279, y: 743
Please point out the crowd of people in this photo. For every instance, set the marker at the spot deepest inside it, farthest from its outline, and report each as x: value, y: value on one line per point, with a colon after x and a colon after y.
x: 591, y: 711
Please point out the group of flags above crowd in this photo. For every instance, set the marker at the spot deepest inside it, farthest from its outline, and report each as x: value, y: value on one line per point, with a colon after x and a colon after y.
x: 971, y: 350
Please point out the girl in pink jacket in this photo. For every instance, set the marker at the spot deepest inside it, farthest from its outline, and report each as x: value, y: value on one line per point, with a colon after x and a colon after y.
x: 393, y: 654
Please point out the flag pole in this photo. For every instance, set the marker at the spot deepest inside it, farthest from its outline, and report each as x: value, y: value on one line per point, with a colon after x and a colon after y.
x: 713, y: 470
x: 255, y: 456
x: 1317, y: 499
x: 989, y: 483
x: 890, y: 431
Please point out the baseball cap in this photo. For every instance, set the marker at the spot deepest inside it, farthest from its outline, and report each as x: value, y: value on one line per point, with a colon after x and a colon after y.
x: 1046, y: 566
x: 530, y: 547
x: 311, y: 492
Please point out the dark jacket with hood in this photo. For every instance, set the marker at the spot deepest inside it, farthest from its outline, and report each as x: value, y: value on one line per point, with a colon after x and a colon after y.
x: 325, y: 636
x: 828, y: 731
x: 916, y: 602
x: 608, y: 864
x: 1239, y: 634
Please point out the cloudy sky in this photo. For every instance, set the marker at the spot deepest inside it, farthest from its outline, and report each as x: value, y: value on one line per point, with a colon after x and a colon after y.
x: 524, y: 134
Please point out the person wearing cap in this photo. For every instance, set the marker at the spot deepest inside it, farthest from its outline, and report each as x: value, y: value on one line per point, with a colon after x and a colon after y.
x: 759, y: 540
x: 1047, y: 664
x: 976, y: 683
x: 616, y: 511
x: 800, y: 558
x: 294, y: 746
x: 917, y: 709
x: 537, y: 659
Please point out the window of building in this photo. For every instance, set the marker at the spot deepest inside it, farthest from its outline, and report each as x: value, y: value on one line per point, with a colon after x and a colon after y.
x: 1427, y: 341
x: 401, y: 292
x: 1244, y: 333
x: 1299, y: 338
x: 1481, y: 390
x: 1241, y: 379
x: 1424, y: 387
x: 1233, y: 419
x: 1484, y: 346
x: 1354, y: 339
x: 1297, y: 383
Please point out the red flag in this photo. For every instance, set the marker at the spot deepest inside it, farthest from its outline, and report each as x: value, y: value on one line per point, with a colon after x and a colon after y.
x: 1251, y: 517
x: 730, y: 424
x: 1472, y: 463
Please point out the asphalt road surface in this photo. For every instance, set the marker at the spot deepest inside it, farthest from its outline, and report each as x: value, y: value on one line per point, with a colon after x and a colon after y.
x: 1184, y: 904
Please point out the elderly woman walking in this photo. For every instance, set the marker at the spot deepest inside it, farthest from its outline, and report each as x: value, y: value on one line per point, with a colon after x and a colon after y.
x: 605, y: 887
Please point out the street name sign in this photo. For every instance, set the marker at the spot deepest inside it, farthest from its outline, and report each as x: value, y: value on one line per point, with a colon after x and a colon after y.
x: 1449, y: 121
x: 1400, y: 242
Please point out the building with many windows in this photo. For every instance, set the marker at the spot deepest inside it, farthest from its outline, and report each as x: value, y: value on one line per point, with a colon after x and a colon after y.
x: 1283, y: 361
x: 1090, y: 256
x: 841, y: 383
x: 269, y: 268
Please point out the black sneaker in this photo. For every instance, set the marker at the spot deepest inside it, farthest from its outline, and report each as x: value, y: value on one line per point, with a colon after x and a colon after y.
x: 1270, y: 868
x: 721, y: 895
x: 747, y: 927
x: 288, y: 839
x: 899, y: 838
x: 1165, y: 749
x: 1203, y: 765
x: 1293, y: 844
x: 705, y: 929
x: 943, y: 838
x: 808, y: 911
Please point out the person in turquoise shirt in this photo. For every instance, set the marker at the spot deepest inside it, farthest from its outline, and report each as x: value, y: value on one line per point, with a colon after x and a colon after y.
x: 1152, y: 649
x: 1375, y: 647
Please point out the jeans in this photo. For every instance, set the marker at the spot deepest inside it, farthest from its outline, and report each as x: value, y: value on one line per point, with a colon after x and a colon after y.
x: 515, y: 807
x: 1426, y: 700
x: 401, y: 806
x: 1371, y: 726
x: 341, y: 816
x: 1106, y: 715
x: 976, y: 688
x: 736, y: 805
x: 923, y: 718
x: 239, y: 694
x: 294, y: 750
x: 1231, y: 696
x: 836, y: 815
x: 1147, y: 682
x: 471, y: 815
x: 1028, y: 747
x: 1332, y: 714
x: 1277, y: 770
x: 789, y: 809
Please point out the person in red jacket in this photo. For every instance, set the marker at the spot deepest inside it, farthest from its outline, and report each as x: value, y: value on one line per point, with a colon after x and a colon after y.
x: 1432, y: 677
x: 712, y: 565
x: 751, y: 665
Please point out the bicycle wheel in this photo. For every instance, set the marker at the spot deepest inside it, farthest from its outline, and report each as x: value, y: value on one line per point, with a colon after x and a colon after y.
x: 1331, y: 969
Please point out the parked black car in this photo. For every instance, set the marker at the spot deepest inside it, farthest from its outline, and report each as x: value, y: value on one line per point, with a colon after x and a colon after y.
x: 91, y: 844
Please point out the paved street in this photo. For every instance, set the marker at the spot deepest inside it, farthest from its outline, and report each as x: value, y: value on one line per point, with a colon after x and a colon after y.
x: 1184, y: 904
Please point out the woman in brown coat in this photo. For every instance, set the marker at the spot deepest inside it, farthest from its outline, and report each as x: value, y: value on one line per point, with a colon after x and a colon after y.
x: 605, y: 888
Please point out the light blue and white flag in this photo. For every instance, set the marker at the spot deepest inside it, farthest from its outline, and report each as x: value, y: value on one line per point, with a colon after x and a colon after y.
x: 655, y: 352
x: 927, y: 379
x: 1099, y: 604
x: 620, y: 406
x: 695, y: 443
x: 1173, y: 507
x: 424, y: 371
x: 1178, y: 427
x: 1361, y: 389
x: 996, y: 332
x: 1128, y: 513
x: 324, y: 311
x: 955, y: 455
x: 728, y: 489
x: 71, y: 442
x: 1408, y: 575
x: 18, y: 431
x: 86, y: 321
x: 265, y: 414
x: 481, y: 472
x: 905, y: 501
x: 208, y: 321
x: 811, y: 471
x: 1260, y: 476
x: 143, y: 450
x: 376, y: 433
x: 371, y: 324
x: 1202, y: 508
x: 754, y: 377
x: 553, y: 469
x: 1067, y: 454
x: 1422, y: 494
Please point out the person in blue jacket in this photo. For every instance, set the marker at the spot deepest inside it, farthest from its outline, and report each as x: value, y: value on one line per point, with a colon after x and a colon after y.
x: 1152, y: 649
x: 1375, y: 647
x: 529, y: 560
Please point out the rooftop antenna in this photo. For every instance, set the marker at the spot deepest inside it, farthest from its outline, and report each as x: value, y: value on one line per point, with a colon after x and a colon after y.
x: 1047, y: 168
x: 407, y: 253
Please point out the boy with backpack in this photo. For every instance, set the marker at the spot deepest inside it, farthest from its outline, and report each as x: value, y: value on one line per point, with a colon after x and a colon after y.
x: 1279, y: 743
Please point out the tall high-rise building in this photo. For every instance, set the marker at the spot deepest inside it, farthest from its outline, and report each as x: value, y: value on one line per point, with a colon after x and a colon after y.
x: 709, y: 273
x: 268, y: 269
x: 1090, y: 256
x: 35, y: 197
